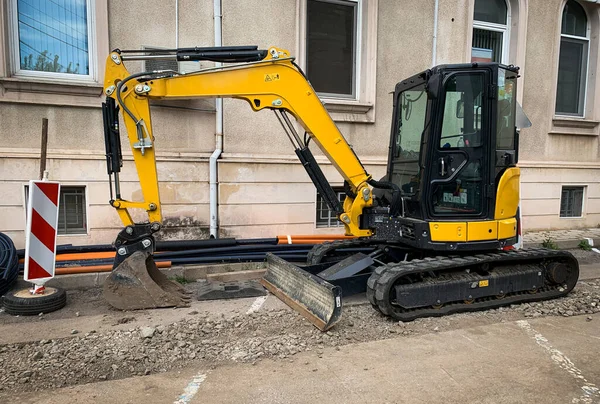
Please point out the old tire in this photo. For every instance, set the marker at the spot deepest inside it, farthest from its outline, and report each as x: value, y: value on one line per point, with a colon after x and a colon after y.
x: 22, y: 303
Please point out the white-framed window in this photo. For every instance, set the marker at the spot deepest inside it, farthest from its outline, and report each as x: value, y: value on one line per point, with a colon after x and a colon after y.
x: 53, y: 39
x: 491, y: 33
x: 571, y: 201
x: 333, y: 43
x: 325, y: 217
x: 573, y: 61
x: 337, y: 49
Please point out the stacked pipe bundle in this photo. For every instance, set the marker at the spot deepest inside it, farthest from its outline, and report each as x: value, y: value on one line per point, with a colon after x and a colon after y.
x: 9, y: 263
x: 99, y: 258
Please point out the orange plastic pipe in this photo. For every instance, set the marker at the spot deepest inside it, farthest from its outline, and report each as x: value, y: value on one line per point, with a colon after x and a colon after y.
x: 85, y: 256
x: 98, y: 268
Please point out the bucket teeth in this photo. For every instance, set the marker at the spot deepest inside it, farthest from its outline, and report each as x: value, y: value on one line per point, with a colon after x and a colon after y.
x: 137, y: 283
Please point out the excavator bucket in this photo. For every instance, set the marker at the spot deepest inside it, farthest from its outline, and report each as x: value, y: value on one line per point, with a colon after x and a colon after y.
x: 136, y: 283
x: 314, y: 298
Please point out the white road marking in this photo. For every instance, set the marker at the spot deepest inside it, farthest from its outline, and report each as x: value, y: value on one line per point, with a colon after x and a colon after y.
x: 590, y: 391
x: 257, y: 304
x: 191, y: 389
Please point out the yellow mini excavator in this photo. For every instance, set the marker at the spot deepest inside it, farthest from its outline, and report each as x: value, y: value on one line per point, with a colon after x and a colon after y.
x: 433, y: 236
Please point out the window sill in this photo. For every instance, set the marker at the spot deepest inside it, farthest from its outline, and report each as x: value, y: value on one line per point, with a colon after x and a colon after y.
x: 349, y: 111
x: 36, y: 91
x: 562, y: 125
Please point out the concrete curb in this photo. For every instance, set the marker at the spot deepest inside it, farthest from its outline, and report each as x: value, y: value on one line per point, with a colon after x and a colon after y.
x: 191, y: 273
x: 570, y: 244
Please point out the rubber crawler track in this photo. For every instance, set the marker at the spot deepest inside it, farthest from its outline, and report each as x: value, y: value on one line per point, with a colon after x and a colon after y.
x: 381, y: 283
x: 318, y: 252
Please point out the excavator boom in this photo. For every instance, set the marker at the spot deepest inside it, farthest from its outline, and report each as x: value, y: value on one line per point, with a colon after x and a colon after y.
x: 265, y: 80
x: 274, y: 82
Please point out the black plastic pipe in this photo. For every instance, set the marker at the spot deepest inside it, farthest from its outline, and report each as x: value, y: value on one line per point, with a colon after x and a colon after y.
x: 232, y: 250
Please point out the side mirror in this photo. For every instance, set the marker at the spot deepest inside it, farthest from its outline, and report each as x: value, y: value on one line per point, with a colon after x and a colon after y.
x: 433, y: 86
x: 460, y: 109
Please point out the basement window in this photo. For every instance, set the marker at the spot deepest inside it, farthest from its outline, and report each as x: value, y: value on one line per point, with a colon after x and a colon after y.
x: 571, y: 202
x: 325, y: 217
x: 72, y: 218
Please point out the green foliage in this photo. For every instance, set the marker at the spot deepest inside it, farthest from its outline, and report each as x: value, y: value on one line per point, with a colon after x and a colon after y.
x: 585, y: 245
x: 180, y: 279
x: 549, y: 243
x: 45, y: 63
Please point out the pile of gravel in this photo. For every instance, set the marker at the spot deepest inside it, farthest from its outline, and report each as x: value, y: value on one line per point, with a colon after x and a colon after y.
x: 204, y: 339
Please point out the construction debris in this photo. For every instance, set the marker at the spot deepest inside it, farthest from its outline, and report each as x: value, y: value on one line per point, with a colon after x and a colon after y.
x: 207, y: 339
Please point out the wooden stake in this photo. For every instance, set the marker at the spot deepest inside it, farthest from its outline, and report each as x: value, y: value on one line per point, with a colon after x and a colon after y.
x: 44, y: 147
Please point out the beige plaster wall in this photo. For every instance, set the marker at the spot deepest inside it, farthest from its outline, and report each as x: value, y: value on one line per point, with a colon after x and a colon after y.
x: 263, y: 190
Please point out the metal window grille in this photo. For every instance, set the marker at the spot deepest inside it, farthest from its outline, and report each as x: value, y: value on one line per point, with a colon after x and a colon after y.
x: 72, y: 214
x: 571, y: 202
x: 325, y: 218
x: 72, y: 210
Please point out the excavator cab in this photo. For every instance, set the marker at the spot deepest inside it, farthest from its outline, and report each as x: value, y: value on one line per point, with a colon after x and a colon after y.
x: 453, y: 139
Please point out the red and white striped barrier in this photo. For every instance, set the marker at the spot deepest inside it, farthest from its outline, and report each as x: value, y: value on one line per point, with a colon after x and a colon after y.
x: 40, y: 236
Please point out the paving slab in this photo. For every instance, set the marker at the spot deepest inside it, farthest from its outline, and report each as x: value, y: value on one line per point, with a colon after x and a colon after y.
x: 548, y: 360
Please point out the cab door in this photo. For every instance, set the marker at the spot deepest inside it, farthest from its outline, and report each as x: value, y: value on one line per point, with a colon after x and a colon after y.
x: 460, y: 179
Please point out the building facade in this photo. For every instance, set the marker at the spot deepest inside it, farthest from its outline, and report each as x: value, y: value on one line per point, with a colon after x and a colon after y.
x: 52, y: 55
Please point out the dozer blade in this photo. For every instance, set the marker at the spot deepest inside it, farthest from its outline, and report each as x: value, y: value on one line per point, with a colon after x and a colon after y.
x: 137, y: 283
x: 317, y: 300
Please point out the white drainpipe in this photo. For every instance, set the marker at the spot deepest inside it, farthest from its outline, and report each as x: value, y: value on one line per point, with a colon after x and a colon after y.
x: 435, y: 27
x: 214, y: 207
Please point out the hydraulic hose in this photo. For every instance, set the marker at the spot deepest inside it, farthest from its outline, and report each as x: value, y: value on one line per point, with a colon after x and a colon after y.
x: 396, y: 207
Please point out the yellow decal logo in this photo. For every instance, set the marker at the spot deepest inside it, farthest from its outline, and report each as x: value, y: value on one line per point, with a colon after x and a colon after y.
x: 271, y: 77
x: 483, y: 284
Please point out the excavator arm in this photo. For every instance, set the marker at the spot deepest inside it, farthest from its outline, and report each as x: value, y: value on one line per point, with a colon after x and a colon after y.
x: 271, y: 82
x: 266, y: 80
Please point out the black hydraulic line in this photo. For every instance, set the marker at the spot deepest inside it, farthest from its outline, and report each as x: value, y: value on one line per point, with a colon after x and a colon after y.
x: 233, y: 56
x: 396, y: 208
x: 194, y: 49
x: 318, y: 178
